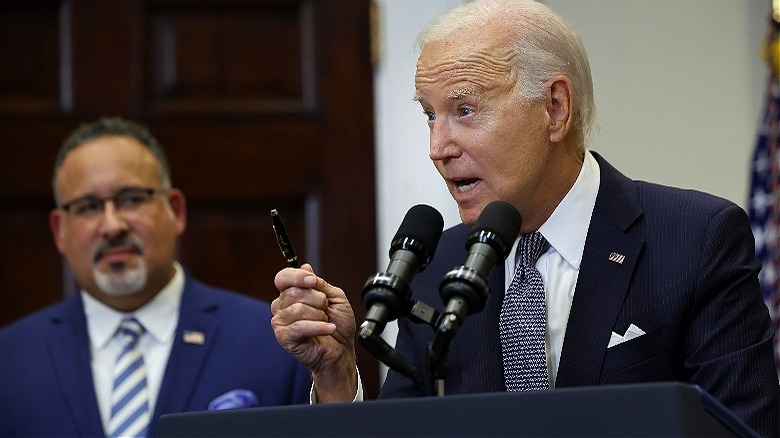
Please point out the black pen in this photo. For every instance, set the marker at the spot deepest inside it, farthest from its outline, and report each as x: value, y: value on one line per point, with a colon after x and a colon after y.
x: 284, y: 241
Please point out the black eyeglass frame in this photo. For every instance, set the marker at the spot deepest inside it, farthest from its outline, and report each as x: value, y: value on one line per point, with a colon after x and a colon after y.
x: 147, y: 192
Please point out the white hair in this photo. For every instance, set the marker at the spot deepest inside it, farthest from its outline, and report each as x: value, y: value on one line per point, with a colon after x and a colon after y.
x: 545, y: 46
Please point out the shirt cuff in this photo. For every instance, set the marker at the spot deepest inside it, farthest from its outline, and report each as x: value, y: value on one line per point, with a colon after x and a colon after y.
x: 358, y: 396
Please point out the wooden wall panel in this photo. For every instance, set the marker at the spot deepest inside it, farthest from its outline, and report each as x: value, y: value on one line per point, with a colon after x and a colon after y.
x: 27, y: 260
x: 30, y: 42
x: 241, y: 58
x: 252, y: 160
x: 260, y: 104
x: 215, y: 231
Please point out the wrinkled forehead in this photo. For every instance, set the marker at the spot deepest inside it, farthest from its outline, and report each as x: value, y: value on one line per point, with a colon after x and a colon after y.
x: 478, y: 64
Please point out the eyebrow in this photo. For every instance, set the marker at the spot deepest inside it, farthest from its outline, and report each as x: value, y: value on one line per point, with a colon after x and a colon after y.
x: 458, y: 93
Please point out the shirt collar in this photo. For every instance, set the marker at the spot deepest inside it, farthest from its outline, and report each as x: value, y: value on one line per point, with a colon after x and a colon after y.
x: 159, y: 316
x: 565, y: 234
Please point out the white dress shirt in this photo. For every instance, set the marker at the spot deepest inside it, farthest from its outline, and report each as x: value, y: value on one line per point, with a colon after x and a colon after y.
x: 560, y: 265
x: 159, y: 318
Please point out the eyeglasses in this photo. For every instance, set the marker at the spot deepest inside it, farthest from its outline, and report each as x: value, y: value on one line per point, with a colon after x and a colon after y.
x: 125, y: 201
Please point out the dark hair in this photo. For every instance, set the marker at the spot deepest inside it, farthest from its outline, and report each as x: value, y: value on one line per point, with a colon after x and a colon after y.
x: 109, y: 126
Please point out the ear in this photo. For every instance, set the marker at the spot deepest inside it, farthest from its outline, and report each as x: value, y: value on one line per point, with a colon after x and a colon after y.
x: 55, y: 223
x: 560, y: 108
x: 178, y: 203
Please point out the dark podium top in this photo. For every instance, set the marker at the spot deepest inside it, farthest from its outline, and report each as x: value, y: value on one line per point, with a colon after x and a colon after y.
x: 654, y: 409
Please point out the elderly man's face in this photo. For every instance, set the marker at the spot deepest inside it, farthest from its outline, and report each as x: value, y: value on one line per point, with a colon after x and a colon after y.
x: 485, y: 140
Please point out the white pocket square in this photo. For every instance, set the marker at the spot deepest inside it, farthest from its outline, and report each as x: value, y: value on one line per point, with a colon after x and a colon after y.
x: 631, y: 333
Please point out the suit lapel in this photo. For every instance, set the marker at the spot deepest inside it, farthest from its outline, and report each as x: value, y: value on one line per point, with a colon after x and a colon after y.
x: 69, y: 356
x: 194, y: 338
x: 608, y: 262
x: 601, y: 288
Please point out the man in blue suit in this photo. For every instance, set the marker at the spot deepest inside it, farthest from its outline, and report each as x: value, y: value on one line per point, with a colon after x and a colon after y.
x: 117, y: 223
x: 639, y: 282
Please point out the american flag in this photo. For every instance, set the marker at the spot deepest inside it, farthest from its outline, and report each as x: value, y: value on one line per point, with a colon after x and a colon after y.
x: 765, y: 185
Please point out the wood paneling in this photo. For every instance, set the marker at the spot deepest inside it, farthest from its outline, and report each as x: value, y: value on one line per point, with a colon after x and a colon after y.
x: 30, y: 79
x: 245, y: 58
x: 260, y: 104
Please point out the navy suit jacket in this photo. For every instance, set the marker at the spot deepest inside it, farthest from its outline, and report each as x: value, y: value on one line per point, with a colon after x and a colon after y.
x: 46, y: 384
x: 689, y: 280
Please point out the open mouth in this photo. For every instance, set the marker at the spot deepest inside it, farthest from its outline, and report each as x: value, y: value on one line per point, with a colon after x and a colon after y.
x: 464, y: 185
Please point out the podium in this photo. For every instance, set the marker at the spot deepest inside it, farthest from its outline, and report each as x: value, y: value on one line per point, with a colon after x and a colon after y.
x: 653, y: 409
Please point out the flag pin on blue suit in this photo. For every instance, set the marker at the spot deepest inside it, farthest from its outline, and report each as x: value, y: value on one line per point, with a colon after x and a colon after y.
x: 194, y: 337
x: 617, y: 258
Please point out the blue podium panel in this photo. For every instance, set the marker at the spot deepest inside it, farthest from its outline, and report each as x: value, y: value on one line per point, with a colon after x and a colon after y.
x: 656, y: 409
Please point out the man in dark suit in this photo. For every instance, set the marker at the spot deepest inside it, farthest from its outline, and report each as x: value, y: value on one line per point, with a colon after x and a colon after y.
x: 117, y: 223
x: 639, y: 282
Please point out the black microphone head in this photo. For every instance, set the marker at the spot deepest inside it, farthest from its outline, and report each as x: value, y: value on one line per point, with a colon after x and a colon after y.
x: 419, y: 232
x: 498, y: 225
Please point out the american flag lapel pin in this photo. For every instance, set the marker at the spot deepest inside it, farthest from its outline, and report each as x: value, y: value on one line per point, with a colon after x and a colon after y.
x: 194, y: 337
x: 617, y: 258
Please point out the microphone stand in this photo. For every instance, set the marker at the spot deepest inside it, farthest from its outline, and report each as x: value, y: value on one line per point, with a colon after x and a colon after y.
x: 437, y: 360
x: 464, y: 290
x: 370, y: 338
x: 437, y: 363
x: 438, y: 349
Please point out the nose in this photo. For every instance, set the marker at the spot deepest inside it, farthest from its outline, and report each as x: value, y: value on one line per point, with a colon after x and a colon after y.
x: 112, y: 222
x: 443, y: 143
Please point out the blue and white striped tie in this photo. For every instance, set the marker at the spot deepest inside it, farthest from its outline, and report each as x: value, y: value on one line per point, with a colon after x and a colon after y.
x: 129, y: 397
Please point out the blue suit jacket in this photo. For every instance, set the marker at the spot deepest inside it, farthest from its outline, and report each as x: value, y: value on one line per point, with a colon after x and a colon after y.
x: 46, y: 382
x: 689, y: 280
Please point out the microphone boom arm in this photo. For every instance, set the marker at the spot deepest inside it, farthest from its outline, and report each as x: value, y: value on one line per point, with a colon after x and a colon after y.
x: 370, y: 339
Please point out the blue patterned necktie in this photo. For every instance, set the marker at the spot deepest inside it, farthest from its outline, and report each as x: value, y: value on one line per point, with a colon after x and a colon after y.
x: 129, y: 396
x: 523, y: 320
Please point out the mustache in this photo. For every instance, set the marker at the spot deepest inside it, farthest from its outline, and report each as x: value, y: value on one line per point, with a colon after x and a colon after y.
x: 124, y: 241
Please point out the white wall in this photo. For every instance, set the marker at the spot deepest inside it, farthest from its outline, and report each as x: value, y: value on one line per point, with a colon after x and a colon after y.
x: 405, y: 175
x: 678, y: 86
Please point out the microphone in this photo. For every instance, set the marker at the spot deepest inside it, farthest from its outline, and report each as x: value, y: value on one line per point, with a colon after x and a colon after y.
x: 385, y: 294
x: 465, y: 288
